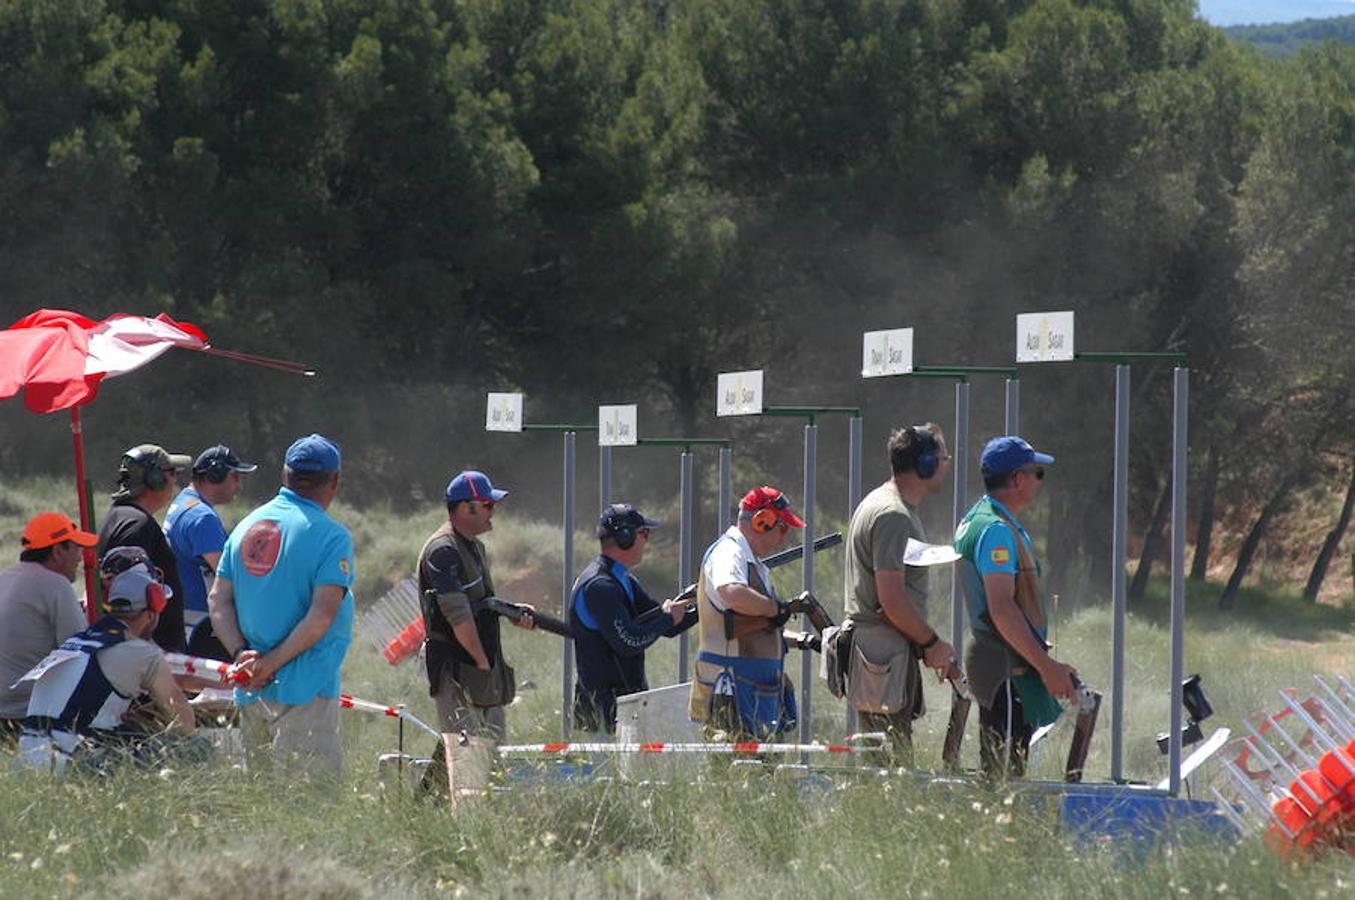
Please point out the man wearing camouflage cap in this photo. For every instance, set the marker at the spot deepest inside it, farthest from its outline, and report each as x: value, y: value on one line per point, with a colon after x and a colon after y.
x: 148, y: 478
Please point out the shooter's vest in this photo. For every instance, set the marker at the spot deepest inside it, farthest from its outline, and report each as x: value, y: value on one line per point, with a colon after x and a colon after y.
x: 752, y: 665
x: 989, y: 661
x: 72, y: 695
x: 603, y: 674
x: 442, y: 647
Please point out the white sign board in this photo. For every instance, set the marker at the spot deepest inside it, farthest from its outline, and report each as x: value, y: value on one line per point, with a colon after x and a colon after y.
x: 887, y: 353
x: 739, y: 393
x: 616, y: 426
x: 503, y: 412
x: 1044, y: 337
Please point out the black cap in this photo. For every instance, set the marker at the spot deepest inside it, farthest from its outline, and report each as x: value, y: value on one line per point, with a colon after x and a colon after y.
x: 622, y: 516
x: 215, y: 462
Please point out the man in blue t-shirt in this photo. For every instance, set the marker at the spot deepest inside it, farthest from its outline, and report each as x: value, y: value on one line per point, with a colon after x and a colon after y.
x: 197, y: 537
x: 282, y: 606
x: 1016, y: 680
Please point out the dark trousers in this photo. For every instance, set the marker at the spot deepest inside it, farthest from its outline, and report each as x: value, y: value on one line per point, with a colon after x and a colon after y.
x: 1004, y: 736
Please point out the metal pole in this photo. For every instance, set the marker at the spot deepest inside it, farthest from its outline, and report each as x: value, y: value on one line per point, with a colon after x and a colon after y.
x: 807, y: 664
x: 854, y: 476
x: 1118, y: 530
x: 1180, y: 422
x: 685, y: 494
x: 1013, y: 414
x: 604, y: 477
x: 959, y: 453
x: 82, y: 495
x: 726, y: 514
x: 567, y: 582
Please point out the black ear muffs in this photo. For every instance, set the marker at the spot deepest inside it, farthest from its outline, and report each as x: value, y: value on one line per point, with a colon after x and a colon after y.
x: 926, y: 459
x: 623, y: 530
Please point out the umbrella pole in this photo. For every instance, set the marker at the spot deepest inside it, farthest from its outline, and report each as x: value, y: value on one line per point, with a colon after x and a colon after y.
x: 86, y: 514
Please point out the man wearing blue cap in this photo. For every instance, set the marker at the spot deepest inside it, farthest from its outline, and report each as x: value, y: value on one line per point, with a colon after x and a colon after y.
x: 282, y: 606
x: 606, y: 606
x: 469, y: 679
x: 197, y: 538
x: 1012, y: 674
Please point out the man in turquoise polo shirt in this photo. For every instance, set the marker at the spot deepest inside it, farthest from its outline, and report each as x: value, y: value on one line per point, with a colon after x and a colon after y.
x: 1013, y: 676
x: 282, y: 607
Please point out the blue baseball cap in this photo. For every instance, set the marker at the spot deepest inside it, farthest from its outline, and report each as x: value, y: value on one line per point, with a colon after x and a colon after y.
x: 313, y: 453
x: 1009, y: 453
x: 473, y: 485
x: 219, y: 460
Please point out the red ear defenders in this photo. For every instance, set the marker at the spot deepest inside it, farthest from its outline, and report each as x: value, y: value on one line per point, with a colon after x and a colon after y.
x: 155, y: 597
x: 765, y: 519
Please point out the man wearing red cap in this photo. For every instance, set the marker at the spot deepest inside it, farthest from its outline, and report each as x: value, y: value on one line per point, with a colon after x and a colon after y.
x: 740, y: 689
x: 38, y: 608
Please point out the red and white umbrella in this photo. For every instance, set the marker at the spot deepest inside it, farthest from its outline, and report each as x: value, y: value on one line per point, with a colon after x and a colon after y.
x: 58, y: 358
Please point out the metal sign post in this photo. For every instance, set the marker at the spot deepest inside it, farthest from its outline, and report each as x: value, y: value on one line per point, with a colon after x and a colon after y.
x: 686, y: 513
x: 504, y: 413
x: 1048, y: 337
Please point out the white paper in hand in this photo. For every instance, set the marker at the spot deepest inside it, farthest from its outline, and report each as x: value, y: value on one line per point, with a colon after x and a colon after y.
x: 920, y: 553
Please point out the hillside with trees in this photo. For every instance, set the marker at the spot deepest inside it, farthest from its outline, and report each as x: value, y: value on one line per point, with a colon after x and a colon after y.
x: 611, y: 201
x: 1285, y: 40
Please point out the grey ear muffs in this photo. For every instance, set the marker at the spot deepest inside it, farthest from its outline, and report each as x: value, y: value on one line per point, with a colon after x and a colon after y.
x: 925, y: 460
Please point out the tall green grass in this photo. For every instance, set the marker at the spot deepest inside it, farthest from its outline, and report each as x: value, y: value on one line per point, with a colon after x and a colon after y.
x: 219, y: 832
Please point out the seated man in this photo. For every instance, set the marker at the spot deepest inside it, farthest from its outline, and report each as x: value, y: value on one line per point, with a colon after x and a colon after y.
x: 38, y: 609
x: 83, y: 688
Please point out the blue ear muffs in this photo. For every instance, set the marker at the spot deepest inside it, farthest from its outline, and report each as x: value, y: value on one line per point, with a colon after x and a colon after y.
x: 927, y: 460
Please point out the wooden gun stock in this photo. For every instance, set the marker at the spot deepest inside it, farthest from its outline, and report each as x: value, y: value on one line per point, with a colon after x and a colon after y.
x: 960, y: 703
x: 1088, y: 708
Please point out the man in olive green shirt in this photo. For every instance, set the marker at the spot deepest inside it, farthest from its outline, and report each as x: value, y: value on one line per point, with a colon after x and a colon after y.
x: 886, y: 601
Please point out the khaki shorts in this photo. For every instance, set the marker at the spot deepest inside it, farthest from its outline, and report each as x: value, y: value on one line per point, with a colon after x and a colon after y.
x: 302, y: 739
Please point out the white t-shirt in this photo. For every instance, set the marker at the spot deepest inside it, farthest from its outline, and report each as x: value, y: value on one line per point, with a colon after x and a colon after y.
x: 727, y: 562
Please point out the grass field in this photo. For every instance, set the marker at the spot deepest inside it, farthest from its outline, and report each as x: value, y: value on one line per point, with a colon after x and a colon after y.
x: 219, y: 833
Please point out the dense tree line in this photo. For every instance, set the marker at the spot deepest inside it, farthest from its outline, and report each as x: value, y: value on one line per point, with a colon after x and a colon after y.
x: 1288, y: 38
x: 613, y: 200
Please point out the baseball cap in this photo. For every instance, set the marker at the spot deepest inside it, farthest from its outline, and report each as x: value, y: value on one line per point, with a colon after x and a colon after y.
x: 767, y: 497
x: 119, y: 559
x: 51, y: 528
x: 473, y: 485
x: 313, y: 453
x: 129, y: 592
x: 220, y: 460
x: 140, y: 461
x: 620, y: 516
x: 1009, y: 453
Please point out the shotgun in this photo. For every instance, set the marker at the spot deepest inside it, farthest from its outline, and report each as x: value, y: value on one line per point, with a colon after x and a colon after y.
x: 1088, y: 703
x: 962, y: 699
x: 803, y: 640
x: 826, y: 542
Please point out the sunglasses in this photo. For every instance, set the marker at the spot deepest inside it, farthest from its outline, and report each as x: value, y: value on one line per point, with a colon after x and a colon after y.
x: 1038, y: 472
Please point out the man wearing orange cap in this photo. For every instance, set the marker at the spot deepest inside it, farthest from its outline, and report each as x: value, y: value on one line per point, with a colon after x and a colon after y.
x: 38, y: 608
x: 740, y: 688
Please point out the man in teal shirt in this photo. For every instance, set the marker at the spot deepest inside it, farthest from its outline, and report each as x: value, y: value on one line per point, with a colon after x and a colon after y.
x: 1013, y: 676
x: 282, y: 607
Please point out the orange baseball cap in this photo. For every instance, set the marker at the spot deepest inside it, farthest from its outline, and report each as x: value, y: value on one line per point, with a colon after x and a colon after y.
x: 46, y: 529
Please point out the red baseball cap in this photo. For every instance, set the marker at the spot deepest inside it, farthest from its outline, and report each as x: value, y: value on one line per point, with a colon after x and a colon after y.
x: 767, y: 497
x: 49, y: 528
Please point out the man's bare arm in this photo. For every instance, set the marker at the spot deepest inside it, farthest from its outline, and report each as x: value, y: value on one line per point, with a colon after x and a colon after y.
x: 903, y: 614
x: 171, y: 699
x: 1012, y: 625
x: 221, y: 608
x: 745, y: 601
